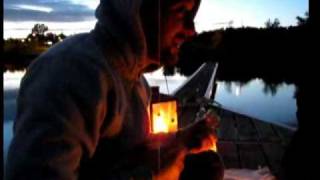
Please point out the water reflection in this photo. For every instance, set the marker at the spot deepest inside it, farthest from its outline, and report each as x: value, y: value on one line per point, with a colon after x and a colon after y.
x: 7, y: 136
x: 238, y: 91
x: 158, y: 79
x: 275, y: 104
x: 11, y: 85
x: 236, y: 86
x: 270, y: 89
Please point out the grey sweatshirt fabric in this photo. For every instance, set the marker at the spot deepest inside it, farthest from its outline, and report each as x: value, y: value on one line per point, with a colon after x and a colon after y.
x: 83, y: 104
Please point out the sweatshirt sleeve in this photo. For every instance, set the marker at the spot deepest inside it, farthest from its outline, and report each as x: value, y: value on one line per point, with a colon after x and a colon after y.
x: 61, y: 108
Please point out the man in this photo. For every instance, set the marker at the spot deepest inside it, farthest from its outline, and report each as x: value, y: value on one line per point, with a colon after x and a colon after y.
x: 82, y: 106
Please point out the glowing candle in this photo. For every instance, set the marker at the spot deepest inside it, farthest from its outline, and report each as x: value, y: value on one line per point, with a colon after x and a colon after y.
x: 164, y: 117
x: 160, y: 124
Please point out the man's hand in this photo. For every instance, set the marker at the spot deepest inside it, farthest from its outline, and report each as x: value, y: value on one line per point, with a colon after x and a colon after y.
x: 200, y: 136
x: 196, y: 138
x: 173, y: 170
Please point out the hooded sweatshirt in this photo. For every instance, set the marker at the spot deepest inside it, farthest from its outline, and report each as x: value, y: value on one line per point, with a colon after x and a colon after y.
x: 83, y: 103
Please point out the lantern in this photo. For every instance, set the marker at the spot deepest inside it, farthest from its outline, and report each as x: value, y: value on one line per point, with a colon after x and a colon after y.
x: 164, y: 118
x: 163, y: 113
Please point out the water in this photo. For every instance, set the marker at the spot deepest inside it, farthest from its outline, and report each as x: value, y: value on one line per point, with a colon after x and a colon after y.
x: 275, y: 105
x: 11, y: 83
x: 158, y: 79
x: 7, y: 136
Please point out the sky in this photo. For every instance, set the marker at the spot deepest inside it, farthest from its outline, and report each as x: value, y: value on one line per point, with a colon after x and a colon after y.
x: 74, y: 16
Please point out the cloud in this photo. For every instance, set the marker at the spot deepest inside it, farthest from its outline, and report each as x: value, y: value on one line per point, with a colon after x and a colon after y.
x: 49, y: 10
x: 32, y: 8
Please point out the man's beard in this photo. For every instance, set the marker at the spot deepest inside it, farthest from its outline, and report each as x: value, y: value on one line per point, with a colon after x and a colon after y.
x: 167, y: 58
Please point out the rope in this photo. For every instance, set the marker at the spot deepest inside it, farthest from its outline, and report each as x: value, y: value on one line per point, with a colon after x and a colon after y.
x: 165, y: 77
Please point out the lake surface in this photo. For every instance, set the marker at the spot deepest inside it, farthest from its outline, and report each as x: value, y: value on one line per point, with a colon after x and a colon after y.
x: 255, y: 99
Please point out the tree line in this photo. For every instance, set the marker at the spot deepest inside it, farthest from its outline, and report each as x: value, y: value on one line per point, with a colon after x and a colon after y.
x: 18, y: 53
x: 274, y: 53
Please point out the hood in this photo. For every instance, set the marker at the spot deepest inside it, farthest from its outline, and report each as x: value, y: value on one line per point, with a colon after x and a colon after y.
x: 119, y: 26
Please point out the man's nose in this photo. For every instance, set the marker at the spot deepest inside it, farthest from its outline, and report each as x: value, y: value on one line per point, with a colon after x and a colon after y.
x: 189, y: 29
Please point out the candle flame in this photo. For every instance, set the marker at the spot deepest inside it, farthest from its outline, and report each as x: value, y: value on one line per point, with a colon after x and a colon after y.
x: 164, y: 117
x: 160, y: 125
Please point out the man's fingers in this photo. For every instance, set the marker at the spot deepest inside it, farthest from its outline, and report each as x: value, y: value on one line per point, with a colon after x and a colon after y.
x: 201, y: 135
x: 207, y: 142
x: 212, y: 120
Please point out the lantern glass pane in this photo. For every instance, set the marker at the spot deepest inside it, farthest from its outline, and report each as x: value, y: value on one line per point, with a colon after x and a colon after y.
x: 164, y: 117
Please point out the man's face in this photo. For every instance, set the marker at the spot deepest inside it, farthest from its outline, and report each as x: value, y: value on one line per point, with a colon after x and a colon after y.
x: 176, y: 26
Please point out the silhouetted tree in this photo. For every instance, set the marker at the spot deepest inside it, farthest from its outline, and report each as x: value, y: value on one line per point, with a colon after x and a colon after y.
x: 272, y: 54
x: 19, y: 53
x: 274, y: 24
x: 62, y: 36
x: 39, y: 29
x: 302, y: 20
